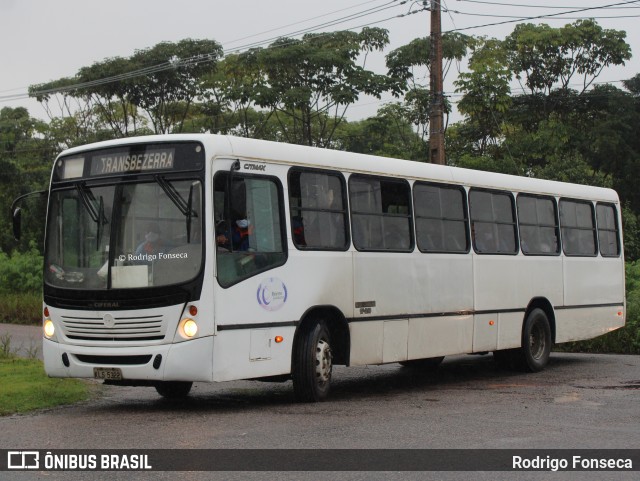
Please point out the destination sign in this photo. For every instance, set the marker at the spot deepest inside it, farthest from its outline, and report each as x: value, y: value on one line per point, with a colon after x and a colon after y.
x: 129, y: 162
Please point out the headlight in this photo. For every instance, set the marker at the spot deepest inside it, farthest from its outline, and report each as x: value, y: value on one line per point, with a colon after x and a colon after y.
x: 188, y: 328
x: 49, y: 328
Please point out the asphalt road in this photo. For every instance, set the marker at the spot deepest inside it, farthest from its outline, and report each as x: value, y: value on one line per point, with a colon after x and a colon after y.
x: 579, y: 401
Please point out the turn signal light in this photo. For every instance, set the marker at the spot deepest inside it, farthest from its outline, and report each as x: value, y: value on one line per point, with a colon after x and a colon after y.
x: 193, y: 310
x: 279, y: 339
x: 46, y: 312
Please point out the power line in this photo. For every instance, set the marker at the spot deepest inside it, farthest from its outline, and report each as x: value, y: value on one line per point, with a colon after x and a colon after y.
x: 206, y: 59
x: 551, y: 17
x: 503, y: 4
x: 299, y: 22
x: 537, y: 17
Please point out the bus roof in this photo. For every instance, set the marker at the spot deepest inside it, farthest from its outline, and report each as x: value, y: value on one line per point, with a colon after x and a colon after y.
x: 304, y: 156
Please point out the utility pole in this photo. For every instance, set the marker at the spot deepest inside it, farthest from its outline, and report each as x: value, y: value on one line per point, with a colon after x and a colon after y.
x: 436, y: 112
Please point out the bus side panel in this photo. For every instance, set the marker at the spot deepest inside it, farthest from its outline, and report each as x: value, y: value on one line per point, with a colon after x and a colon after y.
x: 586, y: 323
x: 424, y: 292
x: 440, y: 336
x: 367, y: 342
x: 594, y: 298
x: 244, y: 345
x: 509, y: 283
x: 593, y: 280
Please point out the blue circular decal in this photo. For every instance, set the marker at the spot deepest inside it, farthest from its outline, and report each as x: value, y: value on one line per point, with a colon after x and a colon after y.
x: 272, y: 294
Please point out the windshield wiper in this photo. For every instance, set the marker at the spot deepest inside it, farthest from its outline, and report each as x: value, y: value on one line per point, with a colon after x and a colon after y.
x: 88, y: 200
x: 185, y: 207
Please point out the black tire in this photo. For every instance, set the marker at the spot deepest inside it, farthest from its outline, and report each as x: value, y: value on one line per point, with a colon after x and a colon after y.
x: 534, y: 352
x: 312, y: 363
x: 173, y: 389
x: 423, y: 364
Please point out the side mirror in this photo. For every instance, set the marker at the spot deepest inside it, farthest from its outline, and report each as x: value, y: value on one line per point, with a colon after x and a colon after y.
x: 17, y: 223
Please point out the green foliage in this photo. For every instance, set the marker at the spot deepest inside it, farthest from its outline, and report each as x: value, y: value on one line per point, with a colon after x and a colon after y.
x: 545, y: 56
x: 21, y: 308
x: 309, y: 83
x: 21, y: 272
x: 24, y: 387
x: 388, y: 134
x: 173, y: 80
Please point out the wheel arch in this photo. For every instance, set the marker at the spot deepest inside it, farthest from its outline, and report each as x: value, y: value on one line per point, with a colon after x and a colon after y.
x: 544, y: 304
x: 338, y: 328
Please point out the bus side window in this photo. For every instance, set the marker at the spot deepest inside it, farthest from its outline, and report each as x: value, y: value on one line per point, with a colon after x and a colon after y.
x: 249, y: 226
x: 539, y: 228
x: 493, y: 222
x: 441, y: 218
x: 381, y: 214
x: 318, y: 210
x: 577, y: 221
x: 608, y: 230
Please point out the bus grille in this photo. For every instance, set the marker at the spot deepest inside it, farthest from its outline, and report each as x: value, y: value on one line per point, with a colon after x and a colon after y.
x: 145, y: 328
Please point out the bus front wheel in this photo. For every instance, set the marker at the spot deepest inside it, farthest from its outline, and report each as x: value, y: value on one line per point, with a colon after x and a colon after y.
x: 312, y: 363
x: 173, y: 389
x: 534, y: 353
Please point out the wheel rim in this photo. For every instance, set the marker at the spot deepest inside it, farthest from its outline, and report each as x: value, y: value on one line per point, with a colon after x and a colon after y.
x: 323, y: 362
x: 537, y: 341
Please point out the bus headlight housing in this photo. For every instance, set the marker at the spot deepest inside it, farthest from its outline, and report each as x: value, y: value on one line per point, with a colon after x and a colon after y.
x: 188, y: 328
x: 49, y: 329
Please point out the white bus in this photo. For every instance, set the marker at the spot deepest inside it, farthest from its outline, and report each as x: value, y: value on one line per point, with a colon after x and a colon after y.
x: 186, y: 258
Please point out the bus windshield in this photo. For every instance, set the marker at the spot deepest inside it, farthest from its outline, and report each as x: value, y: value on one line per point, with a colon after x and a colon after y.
x: 127, y: 235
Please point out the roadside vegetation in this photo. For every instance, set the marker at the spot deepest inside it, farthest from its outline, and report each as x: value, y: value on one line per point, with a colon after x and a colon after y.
x: 25, y: 387
x: 21, y: 287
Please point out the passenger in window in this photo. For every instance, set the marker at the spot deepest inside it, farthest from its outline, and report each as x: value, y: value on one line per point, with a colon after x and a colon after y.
x: 238, y: 238
x: 152, y: 243
x: 297, y: 225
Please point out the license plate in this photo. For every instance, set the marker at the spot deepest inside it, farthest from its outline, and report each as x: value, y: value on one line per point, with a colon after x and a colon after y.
x: 107, y: 373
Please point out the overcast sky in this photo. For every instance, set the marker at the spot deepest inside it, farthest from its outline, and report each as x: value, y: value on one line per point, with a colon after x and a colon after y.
x: 44, y: 40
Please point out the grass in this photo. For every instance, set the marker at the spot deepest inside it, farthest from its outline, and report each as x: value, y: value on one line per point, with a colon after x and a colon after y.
x: 24, y: 387
x: 21, y: 308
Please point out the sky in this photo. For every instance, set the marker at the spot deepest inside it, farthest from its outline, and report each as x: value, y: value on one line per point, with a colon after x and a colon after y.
x: 44, y: 40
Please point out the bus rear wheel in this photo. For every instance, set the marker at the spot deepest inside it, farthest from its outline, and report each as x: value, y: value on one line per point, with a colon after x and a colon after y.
x: 312, y: 363
x: 173, y: 389
x: 534, y: 352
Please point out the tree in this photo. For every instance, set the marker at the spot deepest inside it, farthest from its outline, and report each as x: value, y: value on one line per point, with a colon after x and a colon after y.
x: 388, y: 133
x: 547, y: 56
x: 403, y: 64
x: 313, y: 81
x: 486, y: 93
x: 162, y: 81
x: 25, y: 164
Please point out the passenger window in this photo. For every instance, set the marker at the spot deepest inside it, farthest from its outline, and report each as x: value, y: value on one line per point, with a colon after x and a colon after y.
x: 380, y: 214
x: 608, y: 231
x: 248, y: 226
x: 441, y: 218
x: 493, y: 223
x: 578, y: 228
x: 539, y: 229
x: 318, y: 210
